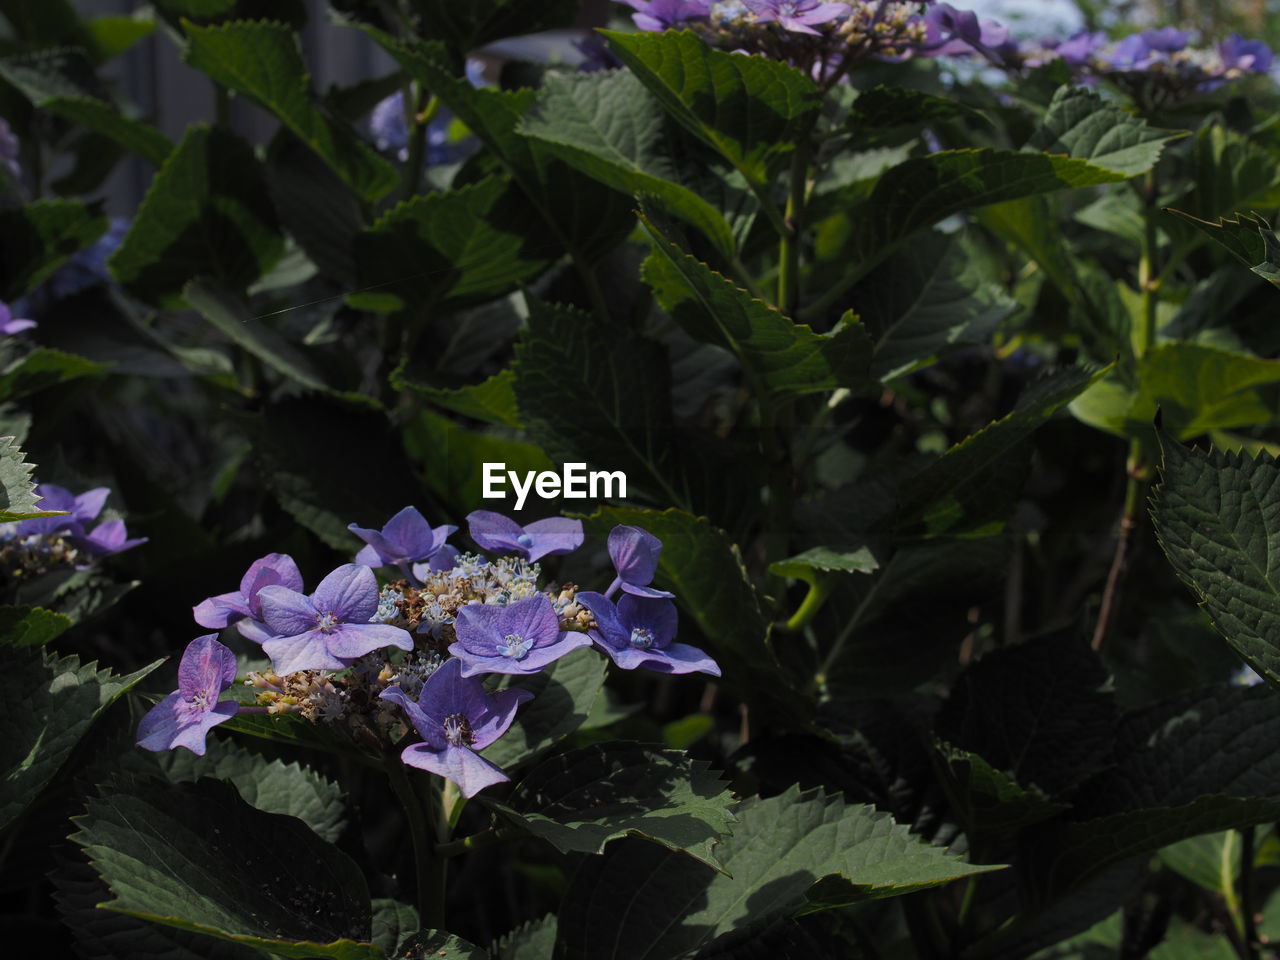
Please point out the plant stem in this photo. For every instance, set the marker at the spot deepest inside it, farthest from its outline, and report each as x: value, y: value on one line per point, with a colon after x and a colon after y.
x: 412, y: 175
x: 789, y: 247
x: 809, y: 606
x: 428, y: 868
x: 474, y: 842
x: 1248, y: 906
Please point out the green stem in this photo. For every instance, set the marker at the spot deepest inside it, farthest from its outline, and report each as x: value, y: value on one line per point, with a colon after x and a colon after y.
x: 474, y: 842
x: 429, y: 869
x: 1248, y: 905
x: 417, y: 127
x: 820, y: 678
x: 809, y: 606
x: 789, y: 246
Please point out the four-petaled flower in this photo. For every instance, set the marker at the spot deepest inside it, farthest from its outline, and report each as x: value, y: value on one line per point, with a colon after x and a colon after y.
x: 244, y: 607
x: 798, y: 16
x: 522, y: 637
x: 542, y: 538
x: 407, y: 540
x: 330, y: 628
x: 185, y: 717
x: 456, y: 717
x: 638, y: 632
x: 635, y: 554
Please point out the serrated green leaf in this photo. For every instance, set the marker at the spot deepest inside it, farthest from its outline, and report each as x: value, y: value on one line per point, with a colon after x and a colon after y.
x: 780, y: 356
x: 393, y: 923
x: 608, y: 126
x: 825, y: 560
x: 492, y: 400
x: 270, y: 785
x: 643, y: 902
x: 30, y: 626
x: 976, y: 482
x: 262, y: 61
x: 472, y: 243
x: 36, y: 238
x: 1214, y: 516
x: 1081, y: 124
x: 703, y: 567
x: 228, y: 312
x: 55, y: 701
x: 1198, y: 763
x: 594, y: 393
x: 206, y: 214
x: 752, y: 110
x: 1197, y: 388
x: 924, y: 302
x: 197, y: 857
x: 1248, y: 237
x: 536, y: 940
x: 563, y: 695
x: 17, y: 488
x: 580, y: 800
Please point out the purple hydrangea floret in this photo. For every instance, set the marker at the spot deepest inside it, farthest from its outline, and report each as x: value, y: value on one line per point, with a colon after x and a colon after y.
x: 639, y: 631
x: 9, y: 324
x: 185, y: 717
x: 1079, y: 48
x: 80, y: 509
x: 330, y: 628
x: 456, y: 717
x: 244, y: 607
x: 1251, y: 56
x: 798, y: 16
x: 658, y: 15
x: 953, y: 32
x: 635, y: 554
x: 542, y: 538
x: 405, y: 541
x: 522, y: 637
x: 88, y: 267
x: 106, y: 539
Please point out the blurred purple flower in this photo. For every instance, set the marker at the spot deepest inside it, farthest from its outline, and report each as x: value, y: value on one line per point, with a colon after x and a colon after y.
x: 10, y: 324
x: 330, y: 628
x: 549, y: 537
x: 107, y: 539
x: 244, y: 606
x: 185, y: 717
x: 658, y: 15
x: 952, y: 32
x: 638, y: 632
x: 80, y: 509
x: 88, y: 267
x: 456, y: 717
x: 635, y: 554
x: 798, y: 16
x: 522, y: 637
x: 1247, y: 56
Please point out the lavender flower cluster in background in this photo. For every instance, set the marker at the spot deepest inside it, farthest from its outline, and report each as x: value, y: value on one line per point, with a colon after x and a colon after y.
x: 32, y: 547
x: 413, y: 652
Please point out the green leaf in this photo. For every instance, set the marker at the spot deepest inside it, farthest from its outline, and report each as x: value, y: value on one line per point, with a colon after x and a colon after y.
x: 262, y: 61
x: 1199, y: 763
x: 207, y: 214
x: 703, y: 567
x: 594, y: 393
x: 228, y: 312
x: 752, y: 110
x: 269, y: 785
x: 198, y: 857
x: 803, y: 566
x: 642, y: 901
x: 1228, y: 172
x: 536, y: 940
x: 1211, y: 860
x: 780, y: 356
x: 1197, y: 388
x: 492, y: 400
x: 16, y: 486
x: 1212, y: 515
x: 1248, y: 237
x: 393, y: 923
x: 473, y: 24
x: 1082, y: 125
x: 36, y: 238
x: 923, y: 190
x: 59, y: 700
x: 989, y: 800
x: 1040, y: 711
x: 580, y: 800
x: 438, y: 945
x: 112, y: 36
x: 976, y: 482
x: 563, y: 695
x: 30, y: 626
x: 606, y: 125
x: 885, y: 108
x: 926, y: 301
x: 472, y: 243
x: 43, y: 368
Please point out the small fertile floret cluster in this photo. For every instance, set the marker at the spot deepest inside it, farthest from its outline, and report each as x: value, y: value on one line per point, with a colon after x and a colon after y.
x: 1155, y: 67
x: 29, y: 548
x: 824, y: 39
x: 412, y: 653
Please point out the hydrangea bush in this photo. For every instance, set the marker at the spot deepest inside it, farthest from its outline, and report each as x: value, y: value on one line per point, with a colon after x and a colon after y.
x: 937, y: 615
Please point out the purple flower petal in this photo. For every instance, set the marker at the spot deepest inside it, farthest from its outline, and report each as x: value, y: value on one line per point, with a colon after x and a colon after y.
x: 494, y: 532
x: 477, y: 628
x: 658, y: 617
x: 170, y: 723
x: 497, y: 716
x: 90, y: 503
x: 108, y: 538
x: 682, y: 658
x: 445, y: 693
x: 421, y: 722
x: 532, y: 662
x: 651, y: 592
x: 274, y: 568
x: 368, y: 556
x: 351, y: 640
x: 306, y: 651
x: 286, y: 612
x: 553, y: 536
x: 255, y: 630
x: 217, y: 612
x: 611, y: 631
x: 207, y: 668
x: 350, y: 593
x: 533, y: 618
x: 470, y: 772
